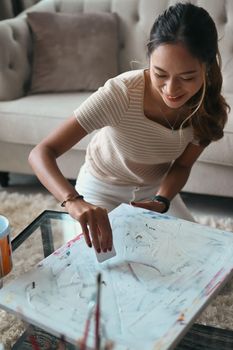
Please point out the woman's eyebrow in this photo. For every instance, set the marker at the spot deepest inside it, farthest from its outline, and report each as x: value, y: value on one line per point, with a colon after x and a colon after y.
x: 186, y: 72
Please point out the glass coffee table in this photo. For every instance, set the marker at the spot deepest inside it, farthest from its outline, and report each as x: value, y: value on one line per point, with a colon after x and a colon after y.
x: 49, y: 231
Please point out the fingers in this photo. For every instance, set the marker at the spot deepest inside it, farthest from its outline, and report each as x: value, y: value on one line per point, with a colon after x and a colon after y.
x: 110, y: 241
x: 105, y: 231
x: 85, y: 230
x: 97, y: 229
x: 145, y: 205
x: 149, y: 205
x: 90, y: 228
x: 94, y: 231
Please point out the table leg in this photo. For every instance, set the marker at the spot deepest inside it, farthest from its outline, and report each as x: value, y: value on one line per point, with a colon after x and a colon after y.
x: 4, y: 178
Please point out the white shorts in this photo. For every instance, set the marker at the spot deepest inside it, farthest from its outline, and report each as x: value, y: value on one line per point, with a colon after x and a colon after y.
x: 109, y: 196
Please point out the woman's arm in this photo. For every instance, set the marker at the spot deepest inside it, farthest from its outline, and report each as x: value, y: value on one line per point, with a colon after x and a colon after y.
x: 179, y: 172
x: 176, y: 178
x: 43, y: 157
x: 43, y: 161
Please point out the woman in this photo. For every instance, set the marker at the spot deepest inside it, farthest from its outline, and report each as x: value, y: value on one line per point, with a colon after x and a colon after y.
x: 152, y: 125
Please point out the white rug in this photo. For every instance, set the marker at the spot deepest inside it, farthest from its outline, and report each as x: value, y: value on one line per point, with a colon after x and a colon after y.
x: 21, y: 210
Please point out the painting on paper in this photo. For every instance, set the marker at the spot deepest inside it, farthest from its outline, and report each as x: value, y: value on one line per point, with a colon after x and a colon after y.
x: 164, y: 273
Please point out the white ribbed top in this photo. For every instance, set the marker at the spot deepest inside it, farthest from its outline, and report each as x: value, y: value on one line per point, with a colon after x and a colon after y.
x: 129, y: 148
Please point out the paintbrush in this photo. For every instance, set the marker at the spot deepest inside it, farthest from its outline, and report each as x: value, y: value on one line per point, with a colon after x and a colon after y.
x: 97, y: 314
x: 91, y: 306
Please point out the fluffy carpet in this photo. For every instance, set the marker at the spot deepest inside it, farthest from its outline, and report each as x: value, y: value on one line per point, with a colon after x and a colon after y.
x: 21, y: 210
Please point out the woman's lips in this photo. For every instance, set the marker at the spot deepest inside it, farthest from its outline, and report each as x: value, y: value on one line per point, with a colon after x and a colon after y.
x: 173, y: 98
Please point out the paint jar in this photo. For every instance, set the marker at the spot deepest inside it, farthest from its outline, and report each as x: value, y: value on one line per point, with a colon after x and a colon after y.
x: 5, y: 247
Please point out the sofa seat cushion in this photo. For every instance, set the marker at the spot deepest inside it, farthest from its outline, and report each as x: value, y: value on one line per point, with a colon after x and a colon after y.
x: 221, y: 152
x: 29, y: 119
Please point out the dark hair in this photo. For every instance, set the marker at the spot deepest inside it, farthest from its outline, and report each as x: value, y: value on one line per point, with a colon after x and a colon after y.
x: 192, y: 26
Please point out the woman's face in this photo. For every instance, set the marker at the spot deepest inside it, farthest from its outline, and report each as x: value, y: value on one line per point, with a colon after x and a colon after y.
x: 175, y: 74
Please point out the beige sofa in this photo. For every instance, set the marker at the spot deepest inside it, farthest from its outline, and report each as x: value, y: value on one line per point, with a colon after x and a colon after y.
x: 26, y: 119
x: 6, y: 9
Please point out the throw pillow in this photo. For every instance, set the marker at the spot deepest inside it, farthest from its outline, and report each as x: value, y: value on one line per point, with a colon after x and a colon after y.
x: 73, y: 52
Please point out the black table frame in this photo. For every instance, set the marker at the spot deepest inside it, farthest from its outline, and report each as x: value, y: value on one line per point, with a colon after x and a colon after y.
x: 46, y: 231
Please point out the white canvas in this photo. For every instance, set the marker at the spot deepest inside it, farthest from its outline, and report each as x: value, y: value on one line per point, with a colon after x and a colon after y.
x: 164, y: 273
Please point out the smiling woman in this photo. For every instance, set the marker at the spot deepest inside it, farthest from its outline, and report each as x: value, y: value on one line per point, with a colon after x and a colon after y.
x: 173, y: 78
x: 181, y: 77
x: 185, y: 69
x: 152, y: 126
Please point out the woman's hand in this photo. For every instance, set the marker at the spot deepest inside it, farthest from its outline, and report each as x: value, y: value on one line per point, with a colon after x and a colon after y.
x: 150, y: 205
x: 94, y: 222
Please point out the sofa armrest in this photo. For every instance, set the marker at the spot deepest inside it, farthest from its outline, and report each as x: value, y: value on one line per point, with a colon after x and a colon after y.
x: 15, y: 57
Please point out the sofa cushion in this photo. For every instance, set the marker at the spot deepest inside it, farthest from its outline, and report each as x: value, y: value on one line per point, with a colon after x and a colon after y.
x: 29, y: 119
x: 73, y: 52
x: 220, y: 152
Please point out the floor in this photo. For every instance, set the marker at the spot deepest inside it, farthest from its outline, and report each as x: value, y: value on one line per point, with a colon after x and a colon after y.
x: 198, y: 204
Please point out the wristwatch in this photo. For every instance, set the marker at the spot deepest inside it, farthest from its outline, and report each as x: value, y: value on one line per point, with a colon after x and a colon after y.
x: 163, y: 200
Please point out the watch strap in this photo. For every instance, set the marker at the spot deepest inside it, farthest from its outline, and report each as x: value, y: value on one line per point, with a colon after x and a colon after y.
x: 164, y: 200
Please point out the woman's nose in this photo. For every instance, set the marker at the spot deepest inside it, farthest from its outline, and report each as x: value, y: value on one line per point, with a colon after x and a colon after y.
x: 172, y: 87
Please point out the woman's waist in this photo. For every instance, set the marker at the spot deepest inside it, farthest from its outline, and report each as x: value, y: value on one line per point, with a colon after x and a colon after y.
x: 124, y: 175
